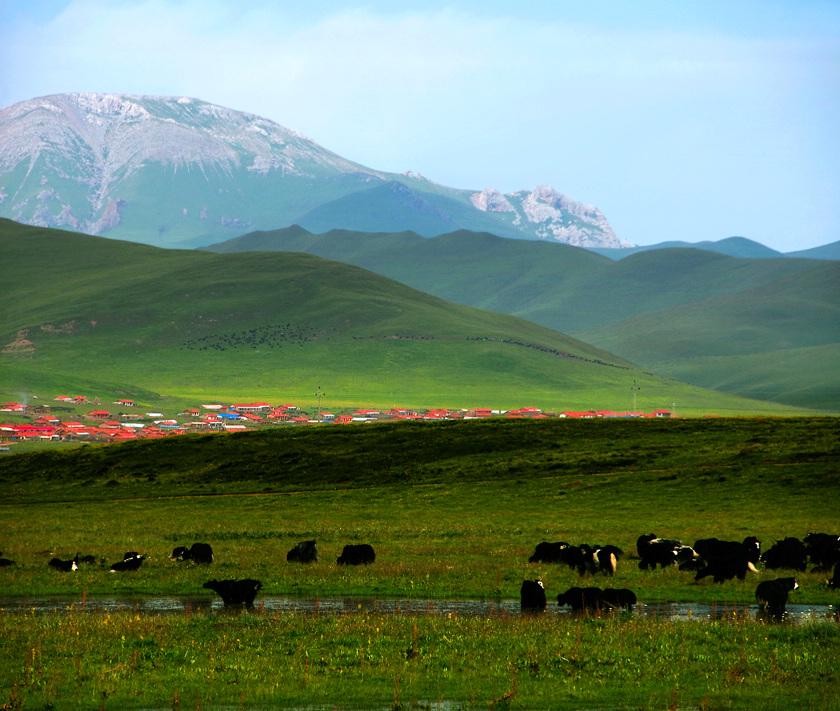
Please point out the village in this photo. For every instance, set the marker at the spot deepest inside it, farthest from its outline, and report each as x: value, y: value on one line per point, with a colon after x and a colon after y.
x: 126, y: 420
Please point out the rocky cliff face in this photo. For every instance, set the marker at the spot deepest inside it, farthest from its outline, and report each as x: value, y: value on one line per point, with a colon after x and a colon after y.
x: 551, y: 216
x: 176, y: 171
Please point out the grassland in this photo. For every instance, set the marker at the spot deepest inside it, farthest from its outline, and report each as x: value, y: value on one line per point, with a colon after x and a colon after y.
x: 453, y: 511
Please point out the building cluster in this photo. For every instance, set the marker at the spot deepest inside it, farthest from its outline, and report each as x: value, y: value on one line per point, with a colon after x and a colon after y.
x: 130, y: 422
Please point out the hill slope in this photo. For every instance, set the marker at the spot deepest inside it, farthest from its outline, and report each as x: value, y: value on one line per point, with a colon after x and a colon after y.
x: 179, y: 172
x: 719, y: 321
x: 129, y: 318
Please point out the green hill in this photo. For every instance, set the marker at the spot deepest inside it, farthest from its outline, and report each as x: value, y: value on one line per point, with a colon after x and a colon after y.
x: 732, y: 246
x: 120, y: 317
x: 730, y: 323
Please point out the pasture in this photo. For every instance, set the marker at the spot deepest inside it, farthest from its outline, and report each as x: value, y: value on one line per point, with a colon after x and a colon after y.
x: 453, y: 511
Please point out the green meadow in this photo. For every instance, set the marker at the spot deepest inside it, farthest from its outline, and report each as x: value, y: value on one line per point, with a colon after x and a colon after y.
x: 112, y: 319
x: 453, y: 511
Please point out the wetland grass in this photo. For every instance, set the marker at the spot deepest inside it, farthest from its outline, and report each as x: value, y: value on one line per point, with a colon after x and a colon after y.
x: 370, y: 661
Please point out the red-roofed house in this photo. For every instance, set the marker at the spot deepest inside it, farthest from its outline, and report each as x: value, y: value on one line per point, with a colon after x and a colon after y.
x: 252, y: 407
x: 436, y: 415
x: 47, y: 421
x: 481, y: 412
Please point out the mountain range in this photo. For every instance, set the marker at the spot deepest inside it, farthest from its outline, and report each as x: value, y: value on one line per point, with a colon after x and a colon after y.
x: 733, y: 246
x: 762, y: 328
x: 179, y: 172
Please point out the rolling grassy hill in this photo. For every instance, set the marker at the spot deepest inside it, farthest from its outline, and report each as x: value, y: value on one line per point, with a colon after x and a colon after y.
x: 749, y: 326
x: 123, y: 318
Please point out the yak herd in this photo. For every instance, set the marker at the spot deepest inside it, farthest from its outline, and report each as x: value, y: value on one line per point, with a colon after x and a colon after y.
x: 232, y: 592
x: 708, y: 557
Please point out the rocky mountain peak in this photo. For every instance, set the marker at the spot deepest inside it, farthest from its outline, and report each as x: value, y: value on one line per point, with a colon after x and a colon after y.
x: 178, y: 171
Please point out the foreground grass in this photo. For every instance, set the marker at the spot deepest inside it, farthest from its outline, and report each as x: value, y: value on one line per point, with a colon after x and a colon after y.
x: 98, y: 660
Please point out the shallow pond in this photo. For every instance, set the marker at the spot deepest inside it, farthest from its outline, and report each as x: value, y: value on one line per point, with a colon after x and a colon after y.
x: 386, y: 606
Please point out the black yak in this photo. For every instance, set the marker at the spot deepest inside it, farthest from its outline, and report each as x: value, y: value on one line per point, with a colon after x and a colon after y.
x: 361, y: 554
x: 235, y: 592
x: 772, y: 595
x: 788, y: 553
x: 131, y: 561
x: 303, y: 552
x: 64, y: 566
x: 198, y: 552
x: 663, y: 552
x: 579, y: 599
x: 532, y: 595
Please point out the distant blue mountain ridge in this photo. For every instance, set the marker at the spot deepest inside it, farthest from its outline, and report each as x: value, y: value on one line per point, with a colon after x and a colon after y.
x: 731, y: 246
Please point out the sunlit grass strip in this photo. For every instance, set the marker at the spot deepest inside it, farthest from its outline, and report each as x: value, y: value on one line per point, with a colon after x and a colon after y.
x: 373, y: 661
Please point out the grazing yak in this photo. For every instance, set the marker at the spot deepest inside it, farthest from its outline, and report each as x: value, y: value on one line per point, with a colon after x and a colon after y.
x: 724, y: 560
x: 605, y: 559
x: 583, y: 557
x: 593, y: 599
x: 303, y: 552
x: 65, y: 566
x: 131, y: 561
x: 361, y: 554
x: 199, y: 552
x: 620, y: 597
x: 788, y: 553
x: 235, y: 592
x: 663, y: 552
x: 546, y: 552
x: 772, y: 595
x: 5, y: 562
x: 532, y: 595
x: 823, y: 551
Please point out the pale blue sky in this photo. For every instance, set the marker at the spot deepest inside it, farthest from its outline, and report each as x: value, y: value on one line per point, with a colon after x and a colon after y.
x: 680, y: 120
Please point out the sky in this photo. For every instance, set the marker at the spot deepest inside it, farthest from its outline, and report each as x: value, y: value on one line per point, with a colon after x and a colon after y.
x: 681, y: 120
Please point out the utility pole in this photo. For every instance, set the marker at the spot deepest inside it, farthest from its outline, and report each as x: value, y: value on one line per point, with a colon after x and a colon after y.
x: 635, y: 389
x: 319, y: 394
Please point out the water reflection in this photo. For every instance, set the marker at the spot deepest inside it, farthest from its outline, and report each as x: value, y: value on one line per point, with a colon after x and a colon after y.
x: 411, y: 607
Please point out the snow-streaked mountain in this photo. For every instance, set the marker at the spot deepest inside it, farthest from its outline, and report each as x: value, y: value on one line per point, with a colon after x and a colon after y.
x: 182, y: 172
